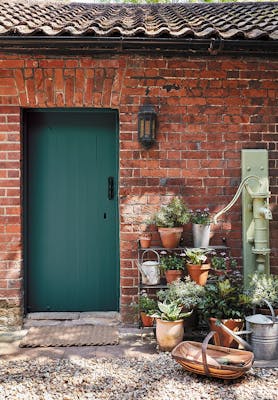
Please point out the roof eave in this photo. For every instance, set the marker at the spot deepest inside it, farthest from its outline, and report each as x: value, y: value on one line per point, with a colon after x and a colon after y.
x: 91, y: 45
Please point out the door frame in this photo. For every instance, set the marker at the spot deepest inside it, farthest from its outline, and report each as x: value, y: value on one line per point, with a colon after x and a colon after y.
x: 24, y: 137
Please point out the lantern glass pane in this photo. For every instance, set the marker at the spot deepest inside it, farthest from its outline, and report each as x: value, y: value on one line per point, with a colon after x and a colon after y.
x: 148, y: 128
x: 153, y: 128
x: 141, y: 127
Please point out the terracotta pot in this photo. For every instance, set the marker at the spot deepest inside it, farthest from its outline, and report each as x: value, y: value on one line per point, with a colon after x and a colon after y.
x: 170, y: 237
x: 169, y: 333
x: 146, y: 319
x: 222, y: 338
x: 145, y: 241
x: 172, y: 275
x: 198, y: 273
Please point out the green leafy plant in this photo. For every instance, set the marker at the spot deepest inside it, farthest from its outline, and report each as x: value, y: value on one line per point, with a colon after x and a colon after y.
x: 196, y: 256
x: 200, y: 216
x: 263, y: 286
x: 170, y: 261
x: 172, y: 215
x: 222, y: 262
x: 146, y: 303
x: 170, y: 312
x: 186, y: 294
x: 223, y: 300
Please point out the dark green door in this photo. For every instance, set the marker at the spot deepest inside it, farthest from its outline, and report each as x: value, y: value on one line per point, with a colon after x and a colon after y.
x: 71, y: 215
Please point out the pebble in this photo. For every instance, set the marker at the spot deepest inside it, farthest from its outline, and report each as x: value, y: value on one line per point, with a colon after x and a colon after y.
x: 159, y: 378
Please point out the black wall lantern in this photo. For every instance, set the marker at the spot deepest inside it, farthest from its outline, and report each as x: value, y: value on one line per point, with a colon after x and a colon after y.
x: 147, y: 126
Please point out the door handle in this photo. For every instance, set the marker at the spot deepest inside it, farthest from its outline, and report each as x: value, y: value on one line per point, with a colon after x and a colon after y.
x: 110, y: 188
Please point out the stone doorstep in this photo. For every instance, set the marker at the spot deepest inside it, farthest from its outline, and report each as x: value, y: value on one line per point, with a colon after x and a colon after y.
x: 73, y: 315
x: 110, y: 318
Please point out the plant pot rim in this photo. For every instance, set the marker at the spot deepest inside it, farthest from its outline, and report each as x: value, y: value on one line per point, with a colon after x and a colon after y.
x: 226, y: 319
x: 164, y: 320
x: 194, y: 223
x: 176, y: 228
x: 199, y: 266
x: 171, y: 270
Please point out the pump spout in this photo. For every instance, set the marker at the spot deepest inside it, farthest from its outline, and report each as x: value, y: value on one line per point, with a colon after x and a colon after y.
x: 236, y: 196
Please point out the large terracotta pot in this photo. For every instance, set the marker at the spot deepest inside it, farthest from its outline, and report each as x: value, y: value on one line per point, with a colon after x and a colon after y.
x: 222, y: 338
x: 198, y: 273
x: 170, y: 237
x: 146, y: 319
x: 169, y: 333
x: 172, y: 275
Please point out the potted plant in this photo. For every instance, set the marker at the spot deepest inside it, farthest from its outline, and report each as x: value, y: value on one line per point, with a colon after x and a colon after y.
x: 145, y: 239
x: 172, y: 265
x: 186, y: 294
x: 263, y: 287
x: 200, y: 227
x: 169, y: 325
x: 170, y: 220
x: 222, y: 264
x: 196, y: 265
x: 146, y: 306
x: 224, y: 300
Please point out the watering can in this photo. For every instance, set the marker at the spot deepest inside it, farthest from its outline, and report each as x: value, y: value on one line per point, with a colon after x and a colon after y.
x: 264, y: 334
x: 150, y: 270
x: 263, y: 330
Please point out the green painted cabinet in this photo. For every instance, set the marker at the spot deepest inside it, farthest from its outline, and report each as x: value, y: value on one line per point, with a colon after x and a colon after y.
x: 71, y: 210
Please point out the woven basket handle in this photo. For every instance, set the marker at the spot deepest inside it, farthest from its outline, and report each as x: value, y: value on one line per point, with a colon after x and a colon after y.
x: 204, y: 351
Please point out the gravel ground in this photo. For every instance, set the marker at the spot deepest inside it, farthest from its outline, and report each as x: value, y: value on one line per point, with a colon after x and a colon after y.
x: 159, y: 378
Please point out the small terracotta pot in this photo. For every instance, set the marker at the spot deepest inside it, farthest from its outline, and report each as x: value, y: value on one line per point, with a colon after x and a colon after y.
x: 145, y: 240
x: 172, y: 275
x: 198, y: 273
x: 170, y: 237
x: 147, y: 321
x: 169, y: 333
x: 222, y: 338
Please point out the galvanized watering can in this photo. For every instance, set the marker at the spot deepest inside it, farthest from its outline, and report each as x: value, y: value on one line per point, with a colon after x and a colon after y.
x: 264, y: 334
x: 150, y: 270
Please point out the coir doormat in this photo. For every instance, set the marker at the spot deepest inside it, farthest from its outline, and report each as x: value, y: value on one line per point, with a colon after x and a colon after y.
x: 66, y: 336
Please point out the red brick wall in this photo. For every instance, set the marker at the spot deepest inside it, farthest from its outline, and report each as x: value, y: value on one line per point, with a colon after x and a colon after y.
x: 208, y: 110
